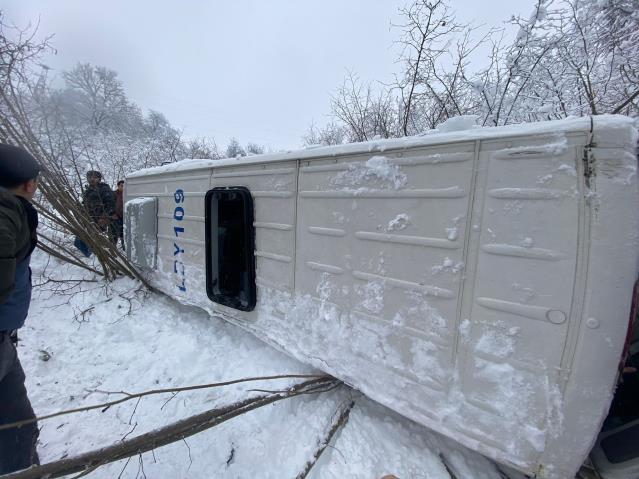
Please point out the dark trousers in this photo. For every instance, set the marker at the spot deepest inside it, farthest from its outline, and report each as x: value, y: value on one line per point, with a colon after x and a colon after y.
x: 118, y: 231
x: 18, y: 444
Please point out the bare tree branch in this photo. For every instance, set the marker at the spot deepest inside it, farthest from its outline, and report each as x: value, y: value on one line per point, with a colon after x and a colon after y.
x: 177, y: 431
x: 129, y: 396
x: 340, y: 422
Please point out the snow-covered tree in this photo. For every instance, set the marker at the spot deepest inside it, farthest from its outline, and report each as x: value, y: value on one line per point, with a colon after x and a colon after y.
x: 569, y: 57
x: 94, y: 97
x: 331, y: 134
x: 234, y: 149
x: 202, y: 148
x: 254, y: 149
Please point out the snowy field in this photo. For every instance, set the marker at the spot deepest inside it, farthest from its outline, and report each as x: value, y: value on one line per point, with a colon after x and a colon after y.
x: 80, y: 342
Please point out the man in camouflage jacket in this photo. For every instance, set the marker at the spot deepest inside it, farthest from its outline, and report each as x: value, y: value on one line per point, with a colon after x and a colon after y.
x: 99, y: 200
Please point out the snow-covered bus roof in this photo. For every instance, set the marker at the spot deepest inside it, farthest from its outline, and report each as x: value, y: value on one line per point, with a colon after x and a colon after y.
x: 619, y: 131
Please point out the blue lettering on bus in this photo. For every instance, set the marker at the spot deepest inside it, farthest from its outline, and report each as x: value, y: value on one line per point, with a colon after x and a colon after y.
x: 178, y: 264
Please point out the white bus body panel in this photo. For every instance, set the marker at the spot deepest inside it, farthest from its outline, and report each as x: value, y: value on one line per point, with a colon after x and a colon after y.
x: 479, y: 283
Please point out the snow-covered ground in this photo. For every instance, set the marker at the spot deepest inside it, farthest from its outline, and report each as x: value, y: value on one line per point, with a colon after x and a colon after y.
x: 79, y: 342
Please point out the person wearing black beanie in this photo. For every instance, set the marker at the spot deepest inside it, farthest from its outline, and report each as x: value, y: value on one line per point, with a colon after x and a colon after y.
x: 18, y: 222
x: 17, y: 166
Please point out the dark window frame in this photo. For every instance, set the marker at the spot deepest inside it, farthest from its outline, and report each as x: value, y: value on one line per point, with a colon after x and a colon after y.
x: 248, y: 254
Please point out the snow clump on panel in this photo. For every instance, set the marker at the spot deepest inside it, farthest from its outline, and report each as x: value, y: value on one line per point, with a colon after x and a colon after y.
x: 527, y: 242
x: 448, y: 265
x: 372, y: 296
x: 621, y: 170
x: 544, y: 180
x: 399, y: 223
x: 339, y: 218
x: 377, y: 170
x: 452, y: 233
x: 496, y: 343
x: 568, y: 169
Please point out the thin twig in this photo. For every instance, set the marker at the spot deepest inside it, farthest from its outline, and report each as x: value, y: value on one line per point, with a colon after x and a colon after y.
x: 189, y: 450
x: 123, y: 469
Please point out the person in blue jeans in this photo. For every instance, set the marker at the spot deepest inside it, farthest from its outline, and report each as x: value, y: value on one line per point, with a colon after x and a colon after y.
x: 18, y: 222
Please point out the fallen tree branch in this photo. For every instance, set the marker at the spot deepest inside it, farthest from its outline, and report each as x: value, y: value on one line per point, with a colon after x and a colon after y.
x: 130, y: 396
x: 340, y: 422
x: 166, y: 435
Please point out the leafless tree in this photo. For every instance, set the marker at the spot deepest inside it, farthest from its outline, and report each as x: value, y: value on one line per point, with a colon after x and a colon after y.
x: 202, y: 148
x: 427, y: 36
x: 331, y: 134
x: 96, y: 96
x: 364, y: 112
x: 23, y: 122
x: 569, y: 57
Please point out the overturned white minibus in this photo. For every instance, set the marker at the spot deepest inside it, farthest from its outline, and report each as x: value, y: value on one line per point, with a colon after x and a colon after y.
x: 479, y: 282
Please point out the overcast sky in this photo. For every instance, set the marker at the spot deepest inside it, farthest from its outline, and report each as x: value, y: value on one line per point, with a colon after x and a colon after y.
x: 259, y: 70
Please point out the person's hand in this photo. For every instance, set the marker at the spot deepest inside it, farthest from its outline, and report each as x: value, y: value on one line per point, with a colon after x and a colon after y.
x: 103, y: 221
x: 114, y: 216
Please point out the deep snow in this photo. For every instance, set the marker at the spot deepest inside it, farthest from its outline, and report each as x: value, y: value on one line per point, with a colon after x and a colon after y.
x: 80, y: 342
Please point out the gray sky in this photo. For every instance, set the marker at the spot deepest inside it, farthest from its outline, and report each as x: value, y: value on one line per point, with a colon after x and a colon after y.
x: 261, y: 71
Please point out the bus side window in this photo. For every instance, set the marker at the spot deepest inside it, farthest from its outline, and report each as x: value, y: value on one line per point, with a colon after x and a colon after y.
x: 230, y: 248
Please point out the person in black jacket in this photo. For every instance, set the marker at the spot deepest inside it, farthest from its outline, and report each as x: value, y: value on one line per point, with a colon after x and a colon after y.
x: 18, y: 223
x: 99, y: 200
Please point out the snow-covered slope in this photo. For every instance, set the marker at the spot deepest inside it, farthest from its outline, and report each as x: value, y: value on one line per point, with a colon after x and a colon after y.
x: 94, y: 345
